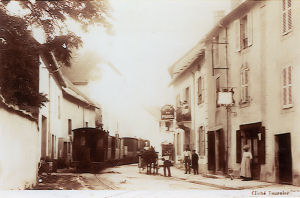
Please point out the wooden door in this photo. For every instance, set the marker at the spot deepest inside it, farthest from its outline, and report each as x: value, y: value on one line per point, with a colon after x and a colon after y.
x: 211, y: 150
x: 285, y: 158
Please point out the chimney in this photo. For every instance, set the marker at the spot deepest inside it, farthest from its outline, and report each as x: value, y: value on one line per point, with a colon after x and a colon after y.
x: 218, y: 15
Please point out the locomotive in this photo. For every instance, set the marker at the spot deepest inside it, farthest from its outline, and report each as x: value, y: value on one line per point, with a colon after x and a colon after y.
x: 94, y: 149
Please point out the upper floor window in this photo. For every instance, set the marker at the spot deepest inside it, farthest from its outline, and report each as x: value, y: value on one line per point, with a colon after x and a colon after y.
x: 287, y: 87
x: 218, y: 89
x: 69, y: 126
x: 187, y: 95
x: 244, y: 85
x: 286, y: 16
x: 244, y: 31
x: 200, y: 90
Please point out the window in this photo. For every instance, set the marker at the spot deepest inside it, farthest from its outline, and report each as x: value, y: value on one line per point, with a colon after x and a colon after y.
x: 218, y: 89
x: 201, y: 141
x: 200, y: 90
x: 244, y: 33
x: 82, y: 141
x: 287, y: 87
x: 187, y: 95
x: 69, y: 126
x: 286, y: 16
x: 244, y: 85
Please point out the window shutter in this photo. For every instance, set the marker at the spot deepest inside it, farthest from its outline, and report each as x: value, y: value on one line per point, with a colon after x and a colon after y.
x: 238, y: 36
x: 250, y: 28
x: 289, y: 14
x: 242, y: 83
x: 262, y: 146
x: 284, y: 87
x: 290, y: 85
x: 283, y: 16
x: 202, y: 89
x: 238, y: 147
x: 246, y: 84
x: 199, y: 90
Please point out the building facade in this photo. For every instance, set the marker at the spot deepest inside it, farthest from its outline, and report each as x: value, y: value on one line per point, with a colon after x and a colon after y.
x: 251, y: 54
x: 67, y: 109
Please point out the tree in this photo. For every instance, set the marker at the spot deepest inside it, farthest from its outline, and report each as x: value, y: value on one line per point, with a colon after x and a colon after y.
x: 19, y: 51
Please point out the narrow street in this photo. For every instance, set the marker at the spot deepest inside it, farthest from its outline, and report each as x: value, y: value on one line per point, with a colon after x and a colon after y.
x: 117, y: 178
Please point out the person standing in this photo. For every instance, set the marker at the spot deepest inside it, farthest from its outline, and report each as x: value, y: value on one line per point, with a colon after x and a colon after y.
x: 246, y: 164
x: 187, y: 160
x: 167, y: 165
x: 195, y: 159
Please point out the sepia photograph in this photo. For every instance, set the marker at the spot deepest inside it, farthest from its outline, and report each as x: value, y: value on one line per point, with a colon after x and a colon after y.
x: 149, y: 98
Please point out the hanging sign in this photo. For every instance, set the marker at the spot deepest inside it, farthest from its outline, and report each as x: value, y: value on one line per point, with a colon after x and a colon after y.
x: 167, y: 112
x: 225, y: 98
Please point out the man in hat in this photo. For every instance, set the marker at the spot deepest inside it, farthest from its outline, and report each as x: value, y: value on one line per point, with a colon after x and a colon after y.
x: 245, y: 165
x: 195, y: 159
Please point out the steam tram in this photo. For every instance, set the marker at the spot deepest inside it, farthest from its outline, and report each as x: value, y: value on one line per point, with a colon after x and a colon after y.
x: 94, y: 149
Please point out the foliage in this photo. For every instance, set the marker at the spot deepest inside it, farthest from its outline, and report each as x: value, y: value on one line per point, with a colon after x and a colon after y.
x: 19, y: 51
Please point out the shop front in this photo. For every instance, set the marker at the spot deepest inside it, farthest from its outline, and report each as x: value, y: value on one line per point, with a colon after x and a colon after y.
x: 252, y: 135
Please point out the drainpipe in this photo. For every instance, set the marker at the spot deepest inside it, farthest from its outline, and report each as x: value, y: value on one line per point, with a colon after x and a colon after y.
x: 49, y: 113
x: 194, y: 107
x: 227, y: 108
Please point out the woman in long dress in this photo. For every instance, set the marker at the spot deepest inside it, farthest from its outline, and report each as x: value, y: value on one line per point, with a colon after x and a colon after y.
x: 245, y: 165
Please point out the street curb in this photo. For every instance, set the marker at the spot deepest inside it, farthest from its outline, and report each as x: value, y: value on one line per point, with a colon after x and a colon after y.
x: 221, y: 186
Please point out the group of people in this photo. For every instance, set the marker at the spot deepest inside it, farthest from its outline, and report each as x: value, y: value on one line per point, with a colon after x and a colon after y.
x: 190, y: 161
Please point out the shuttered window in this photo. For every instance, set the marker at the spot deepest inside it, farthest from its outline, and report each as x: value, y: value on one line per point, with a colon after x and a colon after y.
x: 244, y: 85
x: 69, y: 127
x: 287, y: 23
x: 244, y: 32
x: 200, y: 90
x: 287, y: 87
x: 218, y: 89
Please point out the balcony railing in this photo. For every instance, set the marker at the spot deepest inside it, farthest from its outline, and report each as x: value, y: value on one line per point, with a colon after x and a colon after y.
x: 183, y: 114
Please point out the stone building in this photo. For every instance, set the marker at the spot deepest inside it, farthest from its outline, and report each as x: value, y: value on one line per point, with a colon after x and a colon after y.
x: 250, y: 53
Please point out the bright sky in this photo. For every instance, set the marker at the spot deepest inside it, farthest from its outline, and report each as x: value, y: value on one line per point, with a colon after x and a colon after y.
x: 149, y: 36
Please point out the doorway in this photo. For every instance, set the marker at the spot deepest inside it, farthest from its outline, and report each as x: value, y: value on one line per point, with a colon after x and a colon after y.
x: 221, y: 150
x: 44, y: 137
x: 211, y: 150
x: 284, y: 156
x: 253, y: 135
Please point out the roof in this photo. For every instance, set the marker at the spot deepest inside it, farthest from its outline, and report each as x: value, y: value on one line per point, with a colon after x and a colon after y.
x: 72, y: 91
x: 66, y: 85
x: 188, y: 59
